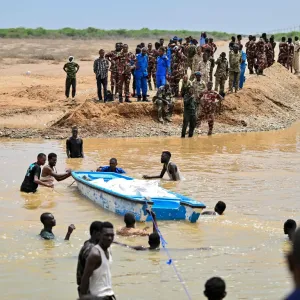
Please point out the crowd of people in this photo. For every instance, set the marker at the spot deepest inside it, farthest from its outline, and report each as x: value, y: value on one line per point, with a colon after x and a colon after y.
x: 164, y: 67
x: 93, y: 273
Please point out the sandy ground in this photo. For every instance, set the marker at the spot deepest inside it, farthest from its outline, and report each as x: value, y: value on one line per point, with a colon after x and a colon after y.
x: 34, y: 105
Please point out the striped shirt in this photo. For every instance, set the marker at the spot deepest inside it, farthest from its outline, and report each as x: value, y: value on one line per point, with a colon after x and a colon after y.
x: 101, y: 66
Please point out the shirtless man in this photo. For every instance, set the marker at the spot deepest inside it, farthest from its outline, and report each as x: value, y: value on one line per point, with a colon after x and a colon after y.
x: 129, y: 229
x: 49, y: 172
x: 154, y: 239
x: 168, y: 167
x: 219, y: 209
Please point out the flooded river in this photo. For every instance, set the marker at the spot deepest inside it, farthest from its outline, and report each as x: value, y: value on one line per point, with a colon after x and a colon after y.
x: 256, y: 174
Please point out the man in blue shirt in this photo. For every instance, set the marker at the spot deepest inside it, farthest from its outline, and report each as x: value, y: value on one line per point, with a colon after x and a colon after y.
x: 243, y: 67
x: 112, y: 167
x: 162, y: 67
x: 141, y: 75
x: 293, y: 260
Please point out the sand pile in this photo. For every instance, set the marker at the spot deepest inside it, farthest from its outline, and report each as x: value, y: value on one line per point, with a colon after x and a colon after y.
x: 266, y: 102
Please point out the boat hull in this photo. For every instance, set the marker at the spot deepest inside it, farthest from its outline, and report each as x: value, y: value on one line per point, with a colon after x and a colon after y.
x: 176, y: 207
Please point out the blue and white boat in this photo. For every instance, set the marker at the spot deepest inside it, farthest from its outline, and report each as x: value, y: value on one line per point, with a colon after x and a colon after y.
x: 172, y: 207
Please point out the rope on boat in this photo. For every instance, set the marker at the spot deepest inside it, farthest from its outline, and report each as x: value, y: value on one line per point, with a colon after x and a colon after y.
x: 170, y: 261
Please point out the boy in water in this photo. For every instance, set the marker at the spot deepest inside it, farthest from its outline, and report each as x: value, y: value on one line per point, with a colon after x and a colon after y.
x: 215, y: 289
x: 129, y: 229
x: 219, y: 209
x: 49, y: 222
x: 289, y: 228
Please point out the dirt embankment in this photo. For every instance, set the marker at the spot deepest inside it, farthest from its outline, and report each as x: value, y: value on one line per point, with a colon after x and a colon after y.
x: 266, y: 103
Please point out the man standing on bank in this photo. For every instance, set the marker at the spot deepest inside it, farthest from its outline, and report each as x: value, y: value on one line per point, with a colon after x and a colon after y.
x: 141, y: 75
x: 189, y: 114
x: 71, y: 68
x: 33, y: 174
x: 101, y: 66
x: 74, y: 145
x: 168, y: 167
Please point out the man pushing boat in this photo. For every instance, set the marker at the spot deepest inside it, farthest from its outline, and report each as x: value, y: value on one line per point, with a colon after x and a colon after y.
x: 168, y: 167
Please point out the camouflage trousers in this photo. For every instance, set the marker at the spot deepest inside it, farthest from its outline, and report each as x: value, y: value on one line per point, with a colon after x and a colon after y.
x: 234, y: 78
x: 290, y: 60
x: 251, y: 63
x: 115, y: 81
x: 270, y: 60
x: 164, y: 108
x: 152, y: 74
x: 220, y: 82
x: 282, y: 59
x: 209, y: 116
x: 174, y: 84
x: 261, y: 61
x: 212, y: 65
x: 189, y: 63
x: 124, y: 82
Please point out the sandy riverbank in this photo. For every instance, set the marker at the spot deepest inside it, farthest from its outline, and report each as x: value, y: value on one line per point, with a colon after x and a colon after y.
x: 34, y: 106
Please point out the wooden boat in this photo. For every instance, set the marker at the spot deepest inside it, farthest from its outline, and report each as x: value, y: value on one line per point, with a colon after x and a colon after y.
x: 173, y: 207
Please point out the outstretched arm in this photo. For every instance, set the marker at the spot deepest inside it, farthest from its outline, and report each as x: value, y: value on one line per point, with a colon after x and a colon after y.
x: 59, y: 177
x: 156, y: 177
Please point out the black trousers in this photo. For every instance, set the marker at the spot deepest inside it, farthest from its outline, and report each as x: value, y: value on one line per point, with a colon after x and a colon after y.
x: 188, y: 120
x: 70, y: 82
x: 102, y: 83
x: 133, y: 82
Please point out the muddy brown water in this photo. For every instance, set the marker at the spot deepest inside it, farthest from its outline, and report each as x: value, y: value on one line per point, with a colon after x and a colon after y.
x: 256, y: 174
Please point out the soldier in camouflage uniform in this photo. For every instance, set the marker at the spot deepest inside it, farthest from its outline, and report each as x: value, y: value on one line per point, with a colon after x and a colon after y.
x: 269, y: 53
x: 261, y: 56
x: 186, y: 84
x: 152, y: 55
x: 283, y: 52
x: 196, y: 60
x: 204, y: 67
x: 71, y: 68
x: 221, y: 73
x: 113, y: 72
x: 177, y: 70
x: 164, y: 102
x: 273, y: 43
x: 291, y: 50
x: 124, y: 64
x: 190, y: 53
x: 213, y: 48
x: 251, y: 53
x: 199, y: 87
x: 235, y: 60
x: 209, y: 101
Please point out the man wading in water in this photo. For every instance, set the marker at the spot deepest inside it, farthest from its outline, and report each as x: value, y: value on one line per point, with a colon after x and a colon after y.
x: 32, y: 177
x: 49, y: 172
x: 168, y: 167
x: 74, y: 145
x: 97, y: 277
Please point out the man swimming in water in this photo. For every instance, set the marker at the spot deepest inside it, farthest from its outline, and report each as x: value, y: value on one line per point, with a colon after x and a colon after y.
x: 154, y: 239
x: 168, y: 167
x: 33, y: 174
x: 129, y: 229
x: 112, y: 167
x: 49, y: 222
x: 49, y: 172
x: 219, y: 209
x: 289, y: 228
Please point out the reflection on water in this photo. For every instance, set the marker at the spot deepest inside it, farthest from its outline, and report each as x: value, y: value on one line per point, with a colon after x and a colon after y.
x: 256, y: 175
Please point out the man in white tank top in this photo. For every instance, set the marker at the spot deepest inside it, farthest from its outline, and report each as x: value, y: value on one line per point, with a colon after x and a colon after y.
x: 96, y: 278
x: 168, y: 167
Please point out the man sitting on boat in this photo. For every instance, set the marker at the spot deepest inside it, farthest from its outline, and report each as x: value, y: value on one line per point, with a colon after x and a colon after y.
x: 49, y: 172
x: 168, y: 167
x: 112, y: 167
x: 219, y: 209
x: 129, y: 229
x: 153, y: 241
